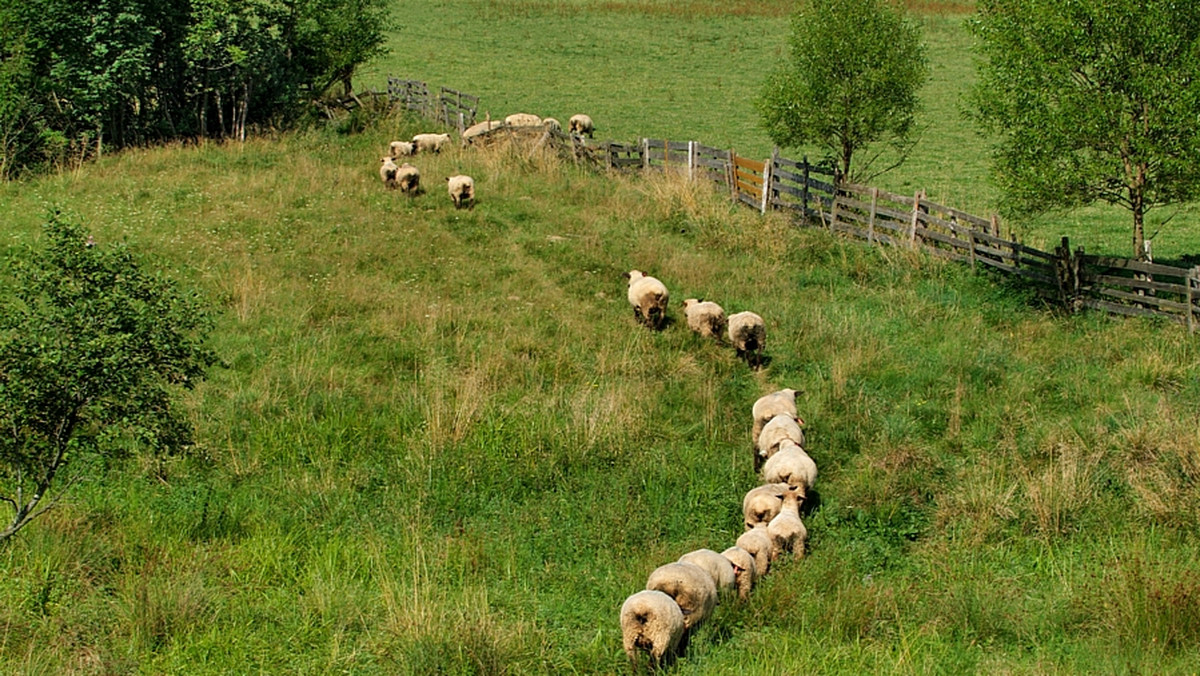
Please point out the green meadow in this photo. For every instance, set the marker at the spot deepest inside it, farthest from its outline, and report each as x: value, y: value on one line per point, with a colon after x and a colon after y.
x: 438, y: 442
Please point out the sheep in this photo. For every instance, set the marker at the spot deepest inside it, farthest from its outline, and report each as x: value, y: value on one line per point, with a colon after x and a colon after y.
x: 430, y: 143
x: 409, y: 179
x: 523, y: 120
x: 766, y: 407
x: 648, y: 296
x: 762, y: 503
x: 462, y: 190
x: 748, y: 333
x: 718, y: 567
x: 651, y: 621
x: 745, y: 571
x: 786, y: 530
x: 400, y: 148
x: 552, y: 124
x: 481, y: 128
x: 387, y: 173
x: 691, y: 587
x: 757, y: 543
x: 792, y: 466
x: 581, y: 124
x: 705, y: 318
x: 782, y: 427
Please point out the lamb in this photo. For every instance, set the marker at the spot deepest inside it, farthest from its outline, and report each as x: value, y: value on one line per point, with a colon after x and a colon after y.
x: 387, y: 173
x: 745, y: 571
x: 748, y: 333
x: 782, y: 427
x: 581, y: 124
x: 757, y: 543
x: 430, y: 143
x: 409, y: 179
x: 552, y: 124
x: 400, y: 148
x: 481, y: 128
x: 523, y: 120
x: 762, y: 503
x: 462, y: 190
x: 651, y: 621
x: 786, y: 530
x: 791, y: 466
x: 768, y: 406
x: 718, y: 567
x: 705, y: 317
x: 648, y: 296
x: 691, y: 587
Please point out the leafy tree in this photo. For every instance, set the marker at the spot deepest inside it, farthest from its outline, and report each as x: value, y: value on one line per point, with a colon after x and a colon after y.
x: 850, y: 81
x: 92, y: 348
x: 1092, y: 101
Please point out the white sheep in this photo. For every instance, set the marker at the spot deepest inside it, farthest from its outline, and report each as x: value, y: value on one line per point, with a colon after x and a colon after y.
x: 651, y: 621
x: 387, y: 172
x: 581, y: 124
x: 705, y: 317
x: 762, y: 503
x: 430, y: 143
x: 648, y: 296
x: 766, y: 407
x: 523, y: 120
x: 691, y: 587
x: 791, y: 466
x: 462, y: 190
x: 401, y: 148
x: 552, y: 124
x: 786, y: 530
x: 745, y: 571
x: 748, y: 333
x: 408, y: 178
x: 757, y: 543
x: 717, y: 566
x: 783, y: 427
x: 481, y: 128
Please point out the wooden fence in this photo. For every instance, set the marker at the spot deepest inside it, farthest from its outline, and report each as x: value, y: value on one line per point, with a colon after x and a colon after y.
x: 456, y: 109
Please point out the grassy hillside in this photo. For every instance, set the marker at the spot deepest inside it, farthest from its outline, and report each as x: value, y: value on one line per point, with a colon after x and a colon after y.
x: 441, y: 445
x: 690, y: 71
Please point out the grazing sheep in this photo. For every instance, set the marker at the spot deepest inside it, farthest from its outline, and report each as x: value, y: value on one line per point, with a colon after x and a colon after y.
x: 791, y: 466
x: 768, y: 406
x: 783, y: 427
x: 462, y: 190
x: 757, y: 543
x: 409, y: 179
x: 552, y: 124
x: 523, y: 120
x: 745, y: 571
x: 648, y: 296
x: 787, y: 531
x: 387, y: 173
x: 762, y: 503
x: 581, y: 124
x: 430, y: 143
x: 691, y: 587
x: 651, y: 621
x: 705, y: 317
x: 481, y: 128
x: 401, y: 148
x: 718, y: 567
x: 748, y: 333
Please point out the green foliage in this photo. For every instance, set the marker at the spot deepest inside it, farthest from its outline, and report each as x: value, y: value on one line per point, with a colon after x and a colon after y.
x: 1092, y: 101
x: 91, y: 348
x: 852, y: 79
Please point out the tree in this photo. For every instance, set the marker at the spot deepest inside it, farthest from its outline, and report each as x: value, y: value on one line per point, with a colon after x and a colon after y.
x: 1092, y: 101
x: 92, y: 349
x: 850, y: 81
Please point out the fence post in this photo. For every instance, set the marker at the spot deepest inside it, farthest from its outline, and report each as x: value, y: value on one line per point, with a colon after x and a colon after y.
x: 666, y: 155
x: 871, y: 220
x: 833, y: 209
x: 644, y: 148
x: 1193, y: 277
x: 691, y: 161
x: 995, y: 225
x: 766, y: 189
x: 912, y: 226
x: 1062, y: 271
x: 971, y: 246
x: 804, y: 192
x: 732, y: 175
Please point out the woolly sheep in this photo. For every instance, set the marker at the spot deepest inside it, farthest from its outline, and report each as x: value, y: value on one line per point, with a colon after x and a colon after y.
x: 648, y: 296
x: 651, y: 621
x: 719, y: 568
x: 430, y: 143
x: 748, y: 333
x: 481, y: 128
x: 786, y: 530
x: 581, y: 124
x: 762, y: 503
x: 757, y: 543
x: 462, y: 190
x: 523, y: 120
x: 552, y: 124
x: 387, y: 173
x: 409, y: 179
x: 705, y: 317
x: 745, y: 571
x: 400, y: 148
x: 766, y: 407
x: 691, y: 587
x: 791, y: 466
x: 783, y: 427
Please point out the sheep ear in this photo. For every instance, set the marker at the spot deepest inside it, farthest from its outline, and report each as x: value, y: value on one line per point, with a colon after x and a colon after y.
x: 447, y: 179
x: 625, y: 275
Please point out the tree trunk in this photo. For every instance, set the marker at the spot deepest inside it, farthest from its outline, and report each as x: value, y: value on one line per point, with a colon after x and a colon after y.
x: 1137, y: 201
